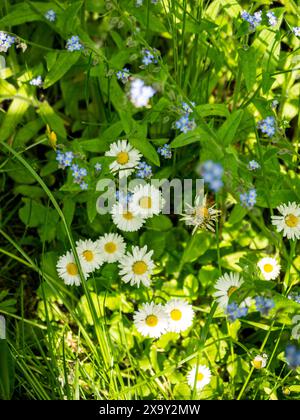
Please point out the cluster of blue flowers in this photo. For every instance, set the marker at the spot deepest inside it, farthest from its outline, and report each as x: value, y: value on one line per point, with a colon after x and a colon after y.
x: 264, y: 305
x: 296, y: 30
x: 234, y: 311
x: 148, y: 57
x: 185, y: 123
x: 122, y: 197
x: 212, y: 173
x: 144, y: 170
x: 253, y: 20
x: 292, y: 355
x: 272, y: 19
x: 139, y: 3
x: 123, y: 75
x: 50, y: 15
x: 294, y: 296
x: 66, y: 160
x: 253, y: 165
x: 6, y: 41
x: 73, y: 44
x: 165, y: 151
x: 267, y: 126
x: 248, y: 199
x: 37, y: 81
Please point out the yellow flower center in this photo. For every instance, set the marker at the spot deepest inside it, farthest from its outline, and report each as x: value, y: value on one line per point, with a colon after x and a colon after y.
x: 139, y: 267
x: 176, y: 314
x: 122, y: 158
x: 145, y: 203
x: 257, y: 364
x: 200, y: 376
x: 110, y: 247
x: 231, y: 290
x: 202, y: 212
x: 88, y: 255
x: 72, y: 269
x: 268, y: 268
x: 291, y: 220
x: 128, y: 215
x: 151, y: 320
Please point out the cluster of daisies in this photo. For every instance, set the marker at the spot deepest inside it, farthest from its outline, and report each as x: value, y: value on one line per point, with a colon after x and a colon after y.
x: 135, y: 267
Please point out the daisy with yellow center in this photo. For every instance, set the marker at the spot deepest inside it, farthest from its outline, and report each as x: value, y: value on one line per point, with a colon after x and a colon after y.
x: 260, y: 361
x: 126, y: 158
x: 89, y: 254
x: 146, y: 201
x: 151, y: 320
x: 124, y: 219
x: 180, y: 315
x: 199, y: 377
x: 136, y: 267
x: 68, y: 271
x: 112, y: 247
x: 200, y: 216
x: 269, y: 268
x: 225, y: 286
x: 289, y: 220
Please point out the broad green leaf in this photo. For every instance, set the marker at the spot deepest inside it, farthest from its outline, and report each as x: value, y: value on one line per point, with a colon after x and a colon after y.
x: 15, y: 113
x: 227, y: 131
x: 50, y: 117
x: 247, y: 60
x: 7, y: 372
x: 64, y: 61
x: 207, y: 110
x: 146, y: 148
x: 27, y: 12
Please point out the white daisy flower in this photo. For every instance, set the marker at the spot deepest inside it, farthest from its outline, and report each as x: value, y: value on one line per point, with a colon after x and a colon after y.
x: 225, y: 286
x: 146, y: 201
x: 151, y: 320
x: 112, y: 247
x: 260, y: 361
x: 89, y: 254
x: 269, y: 268
x: 180, y: 315
x: 137, y: 267
x: 125, y: 219
x: 289, y: 221
x: 67, y: 269
x: 127, y: 158
x: 199, y: 377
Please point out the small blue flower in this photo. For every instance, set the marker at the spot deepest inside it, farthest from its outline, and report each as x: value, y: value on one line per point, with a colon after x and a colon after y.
x: 73, y: 44
x: 184, y: 124
x: 123, y: 75
x: 37, y: 81
x: 148, y: 57
x: 292, y: 355
x: 264, y: 305
x: 294, y: 296
x: 83, y: 186
x: 234, y: 311
x: 50, y: 15
x: 64, y: 159
x: 271, y: 18
x: 248, y: 199
x: 212, y: 173
x: 253, y: 20
x: 98, y: 167
x: 186, y: 108
x: 296, y: 30
x: 144, y: 170
x: 267, y: 126
x: 253, y: 165
x: 6, y: 41
x: 165, y: 151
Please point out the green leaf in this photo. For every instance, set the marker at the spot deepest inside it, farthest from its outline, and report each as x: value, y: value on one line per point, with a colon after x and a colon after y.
x: 197, y: 247
x: 160, y: 223
x: 25, y: 12
x: 247, y: 60
x: 64, y: 61
x: 227, y: 131
x: 146, y: 148
x: 15, y: 113
x: 30, y: 191
x: 68, y: 20
x: 212, y: 109
x: 52, y: 119
x: 7, y: 372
